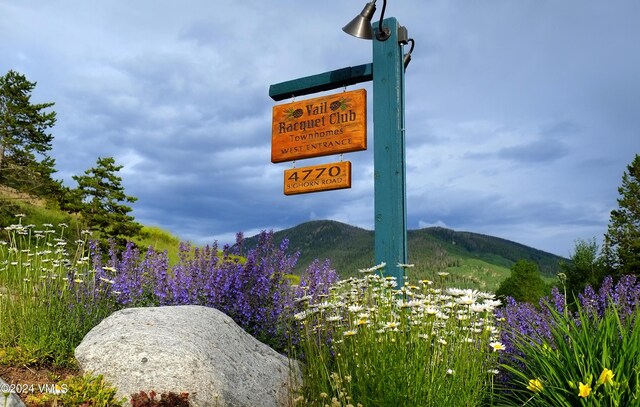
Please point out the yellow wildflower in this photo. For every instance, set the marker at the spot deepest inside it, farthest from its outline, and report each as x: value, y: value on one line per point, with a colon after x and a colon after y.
x: 606, y: 376
x: 535, y: 385
x: 585, y: 390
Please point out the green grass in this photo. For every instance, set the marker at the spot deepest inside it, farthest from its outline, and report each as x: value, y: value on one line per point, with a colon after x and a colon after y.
x: 38, y: 215
x: 160, y: 240
x: 464, y: 273
x: 479, y: 274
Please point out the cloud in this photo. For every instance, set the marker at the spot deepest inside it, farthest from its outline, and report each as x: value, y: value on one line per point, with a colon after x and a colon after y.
x: 519, y: 120
x: 538, y: 151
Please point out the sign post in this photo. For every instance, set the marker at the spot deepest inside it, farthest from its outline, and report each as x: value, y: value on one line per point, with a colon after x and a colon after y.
x: 387, y: 74
x: 389, y: 153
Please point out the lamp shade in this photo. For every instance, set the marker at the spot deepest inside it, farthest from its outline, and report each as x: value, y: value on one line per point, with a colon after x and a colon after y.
x: 361, y: 25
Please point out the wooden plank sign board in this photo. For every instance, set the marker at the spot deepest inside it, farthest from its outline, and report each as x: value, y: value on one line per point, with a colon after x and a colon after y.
x: 317, y: 178
x: 320, y: 126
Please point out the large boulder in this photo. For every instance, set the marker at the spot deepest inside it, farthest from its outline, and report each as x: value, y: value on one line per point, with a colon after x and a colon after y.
x: 189, y: 348
x: 7, y: 398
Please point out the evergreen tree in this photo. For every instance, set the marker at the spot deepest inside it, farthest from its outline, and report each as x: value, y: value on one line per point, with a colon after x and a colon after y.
x: 24, y: 138
x: 586, y: 267
x: 103, y: 201
x: 524, y: 284
x: 621, y: 247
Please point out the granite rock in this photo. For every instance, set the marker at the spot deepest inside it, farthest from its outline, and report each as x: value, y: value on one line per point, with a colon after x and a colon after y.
x: 189, y: 348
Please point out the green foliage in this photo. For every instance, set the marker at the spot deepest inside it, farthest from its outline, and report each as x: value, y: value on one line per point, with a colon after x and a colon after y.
x: 585, y: 268
x: 79, y: 391
x: 103, y: 202
x: 571, y: 371
x: 622, y: 241
x: 24, y: 141
x: 524, y: 284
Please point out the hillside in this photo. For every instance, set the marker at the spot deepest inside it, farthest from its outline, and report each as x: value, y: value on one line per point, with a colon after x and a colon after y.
x: 472, y: 259
x: 37, y: 212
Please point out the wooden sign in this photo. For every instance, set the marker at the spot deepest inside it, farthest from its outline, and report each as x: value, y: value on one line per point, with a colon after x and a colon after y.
x: 321, y: 126
x: 324, y: 177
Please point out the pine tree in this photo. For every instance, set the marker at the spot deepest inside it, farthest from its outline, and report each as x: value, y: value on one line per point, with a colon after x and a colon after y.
x: 103, y: 202
x: 621, y: 246
x: 24, y: 138
x: 586, y: 267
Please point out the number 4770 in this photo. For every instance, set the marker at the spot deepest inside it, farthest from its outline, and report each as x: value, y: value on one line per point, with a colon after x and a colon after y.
x: 333, y: 171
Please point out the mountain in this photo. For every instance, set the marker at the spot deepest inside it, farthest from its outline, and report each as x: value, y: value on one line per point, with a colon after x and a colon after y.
x: 472, y: 259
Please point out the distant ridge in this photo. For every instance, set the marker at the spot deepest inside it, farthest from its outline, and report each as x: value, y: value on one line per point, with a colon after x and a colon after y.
x: 431, y: 249
x: 489, y: 248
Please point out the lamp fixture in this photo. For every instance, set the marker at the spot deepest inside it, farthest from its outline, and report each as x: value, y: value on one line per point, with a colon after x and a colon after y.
x: 360, y: 26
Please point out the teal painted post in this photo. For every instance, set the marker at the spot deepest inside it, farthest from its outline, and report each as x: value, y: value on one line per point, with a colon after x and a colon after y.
x: 389, y: 152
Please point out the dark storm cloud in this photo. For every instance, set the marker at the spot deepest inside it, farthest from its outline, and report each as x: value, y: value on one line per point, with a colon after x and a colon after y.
x: 521, y: 116
x: 538, y: 151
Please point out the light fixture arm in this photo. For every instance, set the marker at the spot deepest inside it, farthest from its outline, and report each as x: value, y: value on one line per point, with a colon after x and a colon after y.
x: 383, y: 33
x: 407, y: 57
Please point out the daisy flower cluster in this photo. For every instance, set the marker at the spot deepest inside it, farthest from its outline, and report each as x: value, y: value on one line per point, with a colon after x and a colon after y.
x: 411, y: 338
x: 49, y: 290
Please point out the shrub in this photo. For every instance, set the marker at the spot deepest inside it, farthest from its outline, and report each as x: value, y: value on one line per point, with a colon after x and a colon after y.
x: 168, y: 399
x: 79, y: 391
x: 254, y: 292
x: 317, y: 280
x: 524, y: 283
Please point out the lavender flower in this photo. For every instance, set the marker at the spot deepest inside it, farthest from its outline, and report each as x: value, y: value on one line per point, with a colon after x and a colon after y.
x: 254, y: 290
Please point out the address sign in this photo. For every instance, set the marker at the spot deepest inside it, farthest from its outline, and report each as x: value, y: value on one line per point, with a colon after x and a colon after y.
x: 316, y: 178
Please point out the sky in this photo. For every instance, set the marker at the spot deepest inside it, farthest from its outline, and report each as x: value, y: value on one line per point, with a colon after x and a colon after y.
x: 521, y: 116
